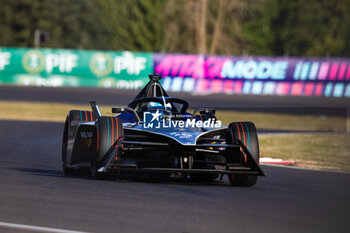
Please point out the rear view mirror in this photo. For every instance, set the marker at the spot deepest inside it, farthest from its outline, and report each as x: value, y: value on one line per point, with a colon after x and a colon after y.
x: 126, y: 110
x: 210, y: 112
x: 118, y: 110
x: 204, y: 111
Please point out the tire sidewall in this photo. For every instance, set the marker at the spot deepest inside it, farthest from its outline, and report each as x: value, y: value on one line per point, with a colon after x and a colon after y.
x: 247, y: 134
x: 107, y: 131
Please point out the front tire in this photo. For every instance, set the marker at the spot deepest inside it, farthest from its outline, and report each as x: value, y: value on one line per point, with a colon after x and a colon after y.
x: 108, y: 131
x: 94, y: 168
x: 246, y: 133
x: 66, y: 170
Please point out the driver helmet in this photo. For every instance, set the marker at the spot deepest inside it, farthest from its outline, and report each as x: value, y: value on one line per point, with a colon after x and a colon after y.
x: 154, y: 105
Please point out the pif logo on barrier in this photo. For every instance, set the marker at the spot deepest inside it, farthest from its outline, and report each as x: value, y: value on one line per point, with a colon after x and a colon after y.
x: 33, y: 61
x: 101, y: 64
x: 4, y: 59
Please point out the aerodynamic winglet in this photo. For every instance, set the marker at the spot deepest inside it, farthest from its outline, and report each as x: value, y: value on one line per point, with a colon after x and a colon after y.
x: 95, y: 110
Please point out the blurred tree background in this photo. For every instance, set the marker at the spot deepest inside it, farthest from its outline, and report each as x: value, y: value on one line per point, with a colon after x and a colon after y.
x: 228, y: 27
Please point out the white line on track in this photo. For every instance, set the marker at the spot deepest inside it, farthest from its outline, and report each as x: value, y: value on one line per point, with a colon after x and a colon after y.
x: 22, y: 227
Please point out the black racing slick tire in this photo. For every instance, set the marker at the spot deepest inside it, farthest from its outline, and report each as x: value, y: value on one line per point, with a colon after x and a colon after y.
x: 247, y: 134
x: 108, y: 131
x: 74, y: 117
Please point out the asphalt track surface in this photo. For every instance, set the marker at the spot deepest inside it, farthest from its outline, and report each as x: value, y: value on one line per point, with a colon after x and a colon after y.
x: 277, y: 104
x: 34, y: 191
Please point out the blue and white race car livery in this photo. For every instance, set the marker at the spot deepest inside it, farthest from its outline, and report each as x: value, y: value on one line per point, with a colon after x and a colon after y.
x: 155, y: 133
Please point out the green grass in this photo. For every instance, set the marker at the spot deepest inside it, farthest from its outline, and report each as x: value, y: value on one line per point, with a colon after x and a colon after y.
x: 31, y: 111
x: 322, y: 151
x: 58, y: 111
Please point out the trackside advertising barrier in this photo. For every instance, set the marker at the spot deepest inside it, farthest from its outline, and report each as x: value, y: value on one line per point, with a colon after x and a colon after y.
x: 254, y: 75
x: 181, y: 72
x: 73, y: 68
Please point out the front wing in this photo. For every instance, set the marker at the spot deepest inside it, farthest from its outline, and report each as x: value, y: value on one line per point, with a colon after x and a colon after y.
x: 114, y: 162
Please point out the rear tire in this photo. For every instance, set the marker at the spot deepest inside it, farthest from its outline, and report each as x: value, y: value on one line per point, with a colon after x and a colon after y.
x: 65, y: 169
x: 246, y: 133
x: 108, y: 131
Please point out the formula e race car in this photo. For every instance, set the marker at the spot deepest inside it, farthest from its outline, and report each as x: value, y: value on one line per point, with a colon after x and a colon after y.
x: 155, y: 133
